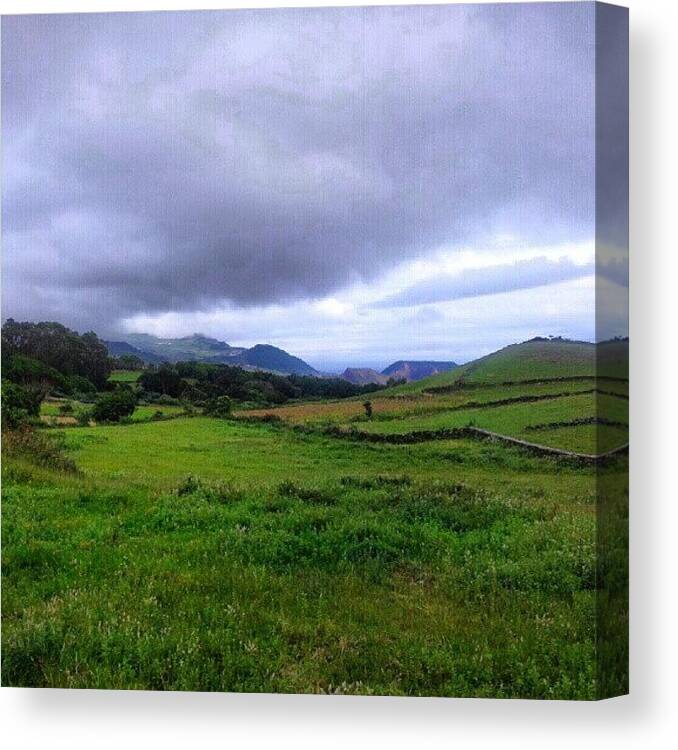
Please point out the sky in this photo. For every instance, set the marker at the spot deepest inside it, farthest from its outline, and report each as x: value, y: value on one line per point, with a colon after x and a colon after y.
x: 354, y: 185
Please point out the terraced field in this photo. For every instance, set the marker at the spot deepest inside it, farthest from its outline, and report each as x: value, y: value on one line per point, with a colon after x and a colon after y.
x: 572, y: 415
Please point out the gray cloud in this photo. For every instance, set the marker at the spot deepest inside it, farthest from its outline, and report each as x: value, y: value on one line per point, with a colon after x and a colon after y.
x: 477, y: 282
x: 174, y: 161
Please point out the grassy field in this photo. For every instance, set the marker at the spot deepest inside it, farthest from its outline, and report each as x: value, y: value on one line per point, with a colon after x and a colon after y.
x: 205, y: 554
x: 553, y: 414
x: 297, y: 563
x: 50, y: 412
x: 125, y: 376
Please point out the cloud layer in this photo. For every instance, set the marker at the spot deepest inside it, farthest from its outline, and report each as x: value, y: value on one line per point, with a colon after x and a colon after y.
x: 479, y: 282
x: 163, y: 164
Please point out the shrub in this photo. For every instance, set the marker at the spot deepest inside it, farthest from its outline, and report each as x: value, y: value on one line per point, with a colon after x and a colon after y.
x: 83, y: 417
x: 79, y: 384
x: 38, y: 448
x: 66, y: 408
x: 166, y: 400
x: 218, y: 407
x: 148, y: 397
x: 20, y: 404
x: 112, y: 407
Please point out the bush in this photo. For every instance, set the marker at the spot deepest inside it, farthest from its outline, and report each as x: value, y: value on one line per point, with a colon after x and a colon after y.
x: 20, y: 404
x: 78, y: 384
x: 219, y: 407
x: 112, y: 407
x: 38, y: 448
x: 66, y: 408
x: 83, y: 417
x: 166, y: 400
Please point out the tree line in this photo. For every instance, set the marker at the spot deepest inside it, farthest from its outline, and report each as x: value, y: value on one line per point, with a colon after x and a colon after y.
x: 46, y: 357
x: 198, y: 383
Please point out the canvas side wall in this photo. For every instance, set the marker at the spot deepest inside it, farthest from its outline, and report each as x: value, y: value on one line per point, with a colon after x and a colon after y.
x: 612, y: 235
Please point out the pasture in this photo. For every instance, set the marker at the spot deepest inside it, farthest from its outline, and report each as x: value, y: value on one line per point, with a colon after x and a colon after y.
x: 125, y: 376
x: 278, y: 551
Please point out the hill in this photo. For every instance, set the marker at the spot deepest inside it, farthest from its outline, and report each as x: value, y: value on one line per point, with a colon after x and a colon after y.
x: 538, y: 358
x: 267, y: 357
x: 122, y: 348
x: 416, y: 369
x: 199, y: 348
x: 195, y: 347
x: 363, y: 376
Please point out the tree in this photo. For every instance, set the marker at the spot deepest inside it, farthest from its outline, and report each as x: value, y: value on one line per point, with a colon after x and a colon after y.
x: 128, y: 362
x: 368, y: 409
x: 165, y: 379
x: 58, y: 347
x: 20, y: 404
x: 112, y: 407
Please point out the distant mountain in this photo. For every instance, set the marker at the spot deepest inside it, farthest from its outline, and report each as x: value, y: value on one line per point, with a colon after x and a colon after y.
x: 408, y: 370
x: 416, y: 369
x: 199, y: 348
x: 120, y: 348
x: 267, y: 357
x: 196, y: 347
x: 363, y: 376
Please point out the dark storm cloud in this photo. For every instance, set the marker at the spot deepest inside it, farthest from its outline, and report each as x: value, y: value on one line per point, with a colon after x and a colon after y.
x: 160, y: 162
x: 477, y: 282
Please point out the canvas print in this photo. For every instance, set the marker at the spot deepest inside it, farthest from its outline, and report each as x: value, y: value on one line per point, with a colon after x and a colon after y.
x: 315, y: 351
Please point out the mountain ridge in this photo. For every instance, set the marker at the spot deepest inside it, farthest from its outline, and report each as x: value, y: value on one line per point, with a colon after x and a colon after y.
x: 200, y: 348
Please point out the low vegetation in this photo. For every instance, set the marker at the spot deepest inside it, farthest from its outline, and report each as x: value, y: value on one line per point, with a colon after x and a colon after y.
x: 165, y: 533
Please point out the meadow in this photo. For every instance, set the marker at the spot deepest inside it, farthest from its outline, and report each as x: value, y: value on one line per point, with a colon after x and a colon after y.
x: 275, y: 551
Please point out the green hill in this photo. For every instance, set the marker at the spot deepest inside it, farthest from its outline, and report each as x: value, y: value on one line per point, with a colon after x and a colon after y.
x: 535, y: 359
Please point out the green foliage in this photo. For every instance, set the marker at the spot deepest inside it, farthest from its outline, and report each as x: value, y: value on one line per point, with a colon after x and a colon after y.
x: 19, y: 404
x: 112, y: 407
x: 128, y: 362
x: 219, y: 407
x: 28, y: 371
x: 59, y: 348
x: 165, y: 400
x: 83, y: 416
x: 36, y: 447
x: 80, y: 385
x: 200, y: 382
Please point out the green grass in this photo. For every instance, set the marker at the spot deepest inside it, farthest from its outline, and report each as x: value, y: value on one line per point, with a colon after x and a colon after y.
x: 160, y: 454
x: 51, y: 408
x: 372, y: 586
x: 513, y: 419
x: 204, y: 554
x: 532, y: 360
x: 526, y: 361
x: 144, y: 412
x: 125, y: 376
x: 587, y: 438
